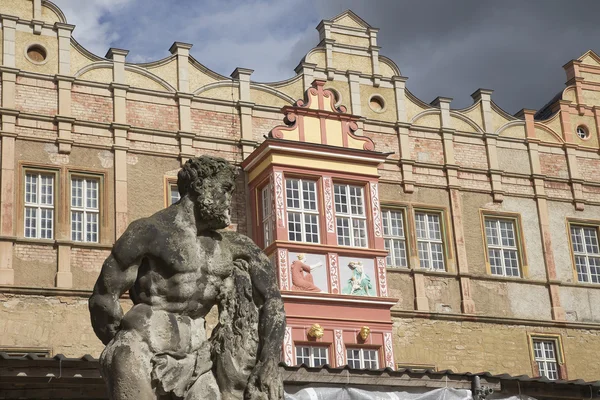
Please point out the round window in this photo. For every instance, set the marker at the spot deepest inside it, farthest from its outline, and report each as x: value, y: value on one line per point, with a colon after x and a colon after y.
x: 36, y: 53
x: 582, y: 132
x: 377, y: 103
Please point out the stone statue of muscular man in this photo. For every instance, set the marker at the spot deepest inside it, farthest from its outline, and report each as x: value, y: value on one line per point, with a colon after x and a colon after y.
x: 177, y: 264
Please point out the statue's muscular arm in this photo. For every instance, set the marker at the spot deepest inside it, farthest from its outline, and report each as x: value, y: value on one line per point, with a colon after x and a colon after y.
x: 271, y: 324
x: 118, y: 275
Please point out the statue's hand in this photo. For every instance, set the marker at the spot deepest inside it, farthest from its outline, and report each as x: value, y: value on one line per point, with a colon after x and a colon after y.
x: 265, y: 382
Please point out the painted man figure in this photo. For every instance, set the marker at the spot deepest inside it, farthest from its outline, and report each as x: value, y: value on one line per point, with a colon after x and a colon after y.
x: 176, y: 265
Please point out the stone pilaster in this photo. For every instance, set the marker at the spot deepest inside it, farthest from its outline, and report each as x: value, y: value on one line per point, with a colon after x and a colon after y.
x: 574, y: 176
x: 245, y: 105
x: 485, y: 97
x: 374, y: 51
x: 558, y: 312
x: 354, y: 83
x: 182, y: 51
x: 37, y: 10
x: 402, y: 127
x: 120, y: 129
x: 184, y: 100
x: 9, y: 32
x: 456, y: 211
x: 307, y: 70
x: 64, y: 47
x: 8, y: 175
x: 64, y: 119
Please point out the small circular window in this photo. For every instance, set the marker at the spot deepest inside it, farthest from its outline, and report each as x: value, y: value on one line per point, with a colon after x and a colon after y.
x: 36, y: 54
x: 582, y: 132
x: 377, y: 103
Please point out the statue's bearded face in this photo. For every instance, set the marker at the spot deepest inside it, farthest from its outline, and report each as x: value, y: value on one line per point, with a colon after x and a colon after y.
x: 213, y: 200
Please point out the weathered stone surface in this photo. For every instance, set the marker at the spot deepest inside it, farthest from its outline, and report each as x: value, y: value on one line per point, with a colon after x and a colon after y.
x: 177, y: 264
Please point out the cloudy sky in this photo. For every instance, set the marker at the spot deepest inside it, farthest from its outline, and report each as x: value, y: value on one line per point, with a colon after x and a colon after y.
x: 445, y: 48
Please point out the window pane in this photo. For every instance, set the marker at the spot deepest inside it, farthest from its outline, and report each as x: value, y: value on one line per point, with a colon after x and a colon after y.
x: 30, y: 222
x: 343, y: 231
x: 311, y: 226
x: 292, y: 193
x: 302, y: 355
x: 77, y: 225
x: 340, y: 199
x: 92, y: 194
x: 92, y: 227
x: 309, y: 195
x: 295, y: 226
x: 359, y: 232
x: 424, y: 259
x: 421, y: 224
x: 434, y: 226
x: 31, y: 188
x: 577, y: 239
x: 174, y: 194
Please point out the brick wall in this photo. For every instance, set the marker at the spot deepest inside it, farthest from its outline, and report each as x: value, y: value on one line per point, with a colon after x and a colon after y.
x: 88, y: 259
x: 425, y: 149
x: 215, y: 124
x: 34, y: 252
x: 588, y: 169
x: 262, y: 126
x: 554, y: 165
x: 90, y: 107
x: 36, y: 96
x: 152, y: 116
x: 385, y: 143
x: 470, y: 155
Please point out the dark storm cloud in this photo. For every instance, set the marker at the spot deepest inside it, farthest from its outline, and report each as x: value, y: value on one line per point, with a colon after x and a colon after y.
x: 451, y: 48
x: 445, y: 47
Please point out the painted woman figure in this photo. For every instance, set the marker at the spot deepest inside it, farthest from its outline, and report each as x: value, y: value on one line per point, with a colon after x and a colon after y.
x: 302, y: 279
x: 359, y: 283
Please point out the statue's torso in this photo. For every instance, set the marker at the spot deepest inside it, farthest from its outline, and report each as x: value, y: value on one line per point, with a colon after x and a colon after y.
x: 184, y: 275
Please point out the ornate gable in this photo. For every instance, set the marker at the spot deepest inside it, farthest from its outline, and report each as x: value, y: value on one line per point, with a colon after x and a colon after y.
x: 316, y: 119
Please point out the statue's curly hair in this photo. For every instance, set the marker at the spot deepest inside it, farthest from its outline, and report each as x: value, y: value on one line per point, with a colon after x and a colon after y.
x: 203, y: 167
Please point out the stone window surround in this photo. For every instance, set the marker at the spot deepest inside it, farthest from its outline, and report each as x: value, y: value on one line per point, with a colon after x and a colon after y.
x: 100, y: 190
x: 591, y: 223
x: 515, y: 218
x: 558, y: 348
x: 38, y: 207
x: 412, y: 254
x: 407, y: 230
x: 168, y: 182
x: 62, y: 202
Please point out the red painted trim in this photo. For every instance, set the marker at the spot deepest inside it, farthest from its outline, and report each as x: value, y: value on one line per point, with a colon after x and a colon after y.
x: 323, y: 125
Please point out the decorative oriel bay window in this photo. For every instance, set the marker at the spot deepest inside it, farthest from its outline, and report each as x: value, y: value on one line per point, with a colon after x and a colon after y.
x: 316, y: 213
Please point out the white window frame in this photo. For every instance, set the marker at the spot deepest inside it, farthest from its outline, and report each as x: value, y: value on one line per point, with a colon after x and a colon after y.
x: 502, y: 245
x: 86, y: 210
x: 266, y: 201
x: 37, y: 206
x: 350, y: 216
x: 429, y: 240
x: 587, y: 251
x: 391, y: 238
x: 304, y: 212
x: 311, y: 358
x: 545, y: 354
x: 174, y: 195
x: 362, y: 360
